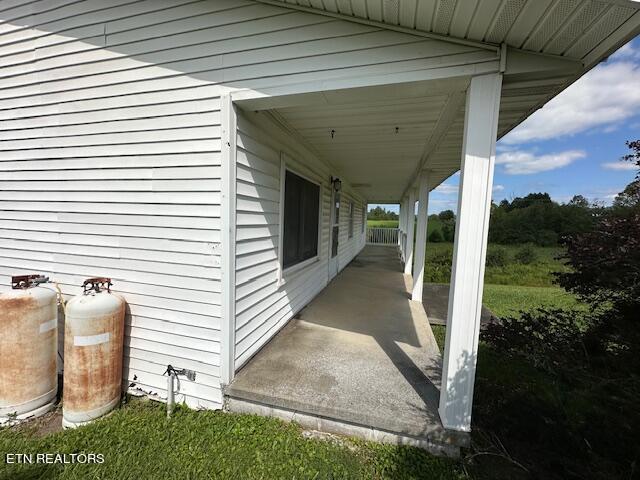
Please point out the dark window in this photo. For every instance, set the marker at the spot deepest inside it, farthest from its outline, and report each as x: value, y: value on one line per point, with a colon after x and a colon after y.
x: 352, y: 209
x: 335, y: 236
x: 301, y: 205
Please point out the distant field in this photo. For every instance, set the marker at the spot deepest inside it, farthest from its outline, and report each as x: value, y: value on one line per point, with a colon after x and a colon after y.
x: 513, y: 287
x: 382, y: 223
x: 537, y: 274
x: 433, y: 224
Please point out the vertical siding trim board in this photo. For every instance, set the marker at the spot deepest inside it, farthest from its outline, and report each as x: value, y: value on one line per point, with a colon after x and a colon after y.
x: 228, y: 217
x: 283, y: 173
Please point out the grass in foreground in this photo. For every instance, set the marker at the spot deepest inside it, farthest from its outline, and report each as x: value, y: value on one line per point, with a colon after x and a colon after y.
x: 138, y: 442
x: 509, y: 300
x: 533, y: 423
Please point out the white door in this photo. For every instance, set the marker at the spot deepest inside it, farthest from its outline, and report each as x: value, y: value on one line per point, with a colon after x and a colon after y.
x: 335, y: 235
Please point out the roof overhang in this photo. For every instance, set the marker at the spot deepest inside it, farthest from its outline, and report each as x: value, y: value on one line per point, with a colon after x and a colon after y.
x: 542, y: 46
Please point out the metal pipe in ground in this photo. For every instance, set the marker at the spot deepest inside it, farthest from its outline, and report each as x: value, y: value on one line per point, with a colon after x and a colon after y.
x: 170, y: 395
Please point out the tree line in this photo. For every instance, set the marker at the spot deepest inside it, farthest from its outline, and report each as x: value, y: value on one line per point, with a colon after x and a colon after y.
x: 536, y: 219
x: 533, y: 219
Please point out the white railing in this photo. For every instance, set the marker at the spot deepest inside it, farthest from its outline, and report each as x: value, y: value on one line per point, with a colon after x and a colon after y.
x: 382, y: 236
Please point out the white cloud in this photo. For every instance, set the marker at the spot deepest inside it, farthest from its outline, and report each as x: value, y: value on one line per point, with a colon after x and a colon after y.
x: 525, y: 163
x: 438, y: 205
x: 498, y: 188
x: 619, y: 166
x: 603, y: 97
x: 446, y: 189
x: 627, y: 51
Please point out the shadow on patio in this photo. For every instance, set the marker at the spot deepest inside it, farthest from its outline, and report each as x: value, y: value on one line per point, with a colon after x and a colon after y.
x: 360, y: 353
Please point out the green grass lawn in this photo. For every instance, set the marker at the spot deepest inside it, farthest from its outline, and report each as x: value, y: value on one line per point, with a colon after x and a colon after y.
x: 510, y: 300
x: 138, y: 442
x: 382, y: 223
x: 537, y: 274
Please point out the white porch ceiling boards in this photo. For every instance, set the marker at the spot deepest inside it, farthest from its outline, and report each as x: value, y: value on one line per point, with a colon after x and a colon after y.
x: 570, y: 28
x: 366, y: 148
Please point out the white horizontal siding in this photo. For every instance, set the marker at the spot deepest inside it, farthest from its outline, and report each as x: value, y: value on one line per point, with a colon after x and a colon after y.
x: 123, y: 184
x: 263, y: 305
x: 110, y: 159
x: 349, y: 247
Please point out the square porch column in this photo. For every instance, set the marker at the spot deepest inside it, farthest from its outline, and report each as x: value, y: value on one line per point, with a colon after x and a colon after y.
x: 403, y: 245
x: 400, y: 212
x: 469, y: 251
x: 421, y: 237
x: 410, y: 229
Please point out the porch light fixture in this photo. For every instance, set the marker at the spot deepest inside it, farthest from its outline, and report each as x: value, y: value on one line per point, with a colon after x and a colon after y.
x: 333, y: 133
x: 337, y: 183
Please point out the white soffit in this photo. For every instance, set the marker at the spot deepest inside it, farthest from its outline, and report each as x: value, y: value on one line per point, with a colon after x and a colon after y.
x: 576, y: 29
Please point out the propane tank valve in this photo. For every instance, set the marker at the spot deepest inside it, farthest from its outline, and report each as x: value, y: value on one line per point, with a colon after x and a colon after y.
x: 20, y: 282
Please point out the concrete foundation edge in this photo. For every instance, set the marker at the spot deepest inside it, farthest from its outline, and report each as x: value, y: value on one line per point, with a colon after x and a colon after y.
x: 321, y: 424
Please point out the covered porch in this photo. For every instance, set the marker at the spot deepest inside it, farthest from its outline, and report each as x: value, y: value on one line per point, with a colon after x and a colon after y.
x: 390, y: 138
x: 360, y: 359
x: 394, y: 144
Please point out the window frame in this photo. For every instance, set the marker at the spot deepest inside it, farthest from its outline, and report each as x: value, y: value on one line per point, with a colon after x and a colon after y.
x: 286, y: 274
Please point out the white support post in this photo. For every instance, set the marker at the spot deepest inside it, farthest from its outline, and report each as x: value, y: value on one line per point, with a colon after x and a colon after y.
x: 469, y: 251
x: 421, y: 237
x: 228, y: 241
x: 406, y: 227
x: 403, y: 228
x: 400, y: 227
x: 411, y: 217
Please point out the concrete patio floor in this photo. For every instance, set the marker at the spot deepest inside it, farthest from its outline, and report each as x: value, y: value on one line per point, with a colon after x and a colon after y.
x: 435, y: 298
x: 360, y: 355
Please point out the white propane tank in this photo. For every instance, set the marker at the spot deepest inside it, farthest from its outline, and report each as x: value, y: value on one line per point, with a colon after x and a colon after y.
x: 28, y: 349
x: 93, y: 343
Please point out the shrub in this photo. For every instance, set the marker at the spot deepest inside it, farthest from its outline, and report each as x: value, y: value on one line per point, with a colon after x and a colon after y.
x: 605, y: 262
x: 435, y: 236
x: 526, y: 255
x: 548, y: 339
x: 547, y: 238
x: 496, y: 256
x: 442, y: 257
x: 439, y: 266
x: 449, y: 230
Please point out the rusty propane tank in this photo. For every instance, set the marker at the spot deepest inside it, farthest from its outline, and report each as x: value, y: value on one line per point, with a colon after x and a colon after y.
x: 28, y: 349
x: 93, y: 342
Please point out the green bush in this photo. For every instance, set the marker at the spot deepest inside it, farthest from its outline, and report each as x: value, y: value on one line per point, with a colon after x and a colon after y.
x: 496, y: 256
x: 526, y: 255
x: 548, y: 339
x: 438, y: 265
x: 436, y: 236
x: 448, y: 231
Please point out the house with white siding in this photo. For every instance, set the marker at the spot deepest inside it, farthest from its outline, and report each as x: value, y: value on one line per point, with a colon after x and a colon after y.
x: 215, y: 158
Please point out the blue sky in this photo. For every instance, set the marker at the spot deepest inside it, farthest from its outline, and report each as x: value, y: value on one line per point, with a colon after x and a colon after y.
x: 572, y: 145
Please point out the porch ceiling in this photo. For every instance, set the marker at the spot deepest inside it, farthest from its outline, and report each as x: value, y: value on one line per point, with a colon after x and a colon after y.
x: 565, y: 39
x: 377, y: 137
